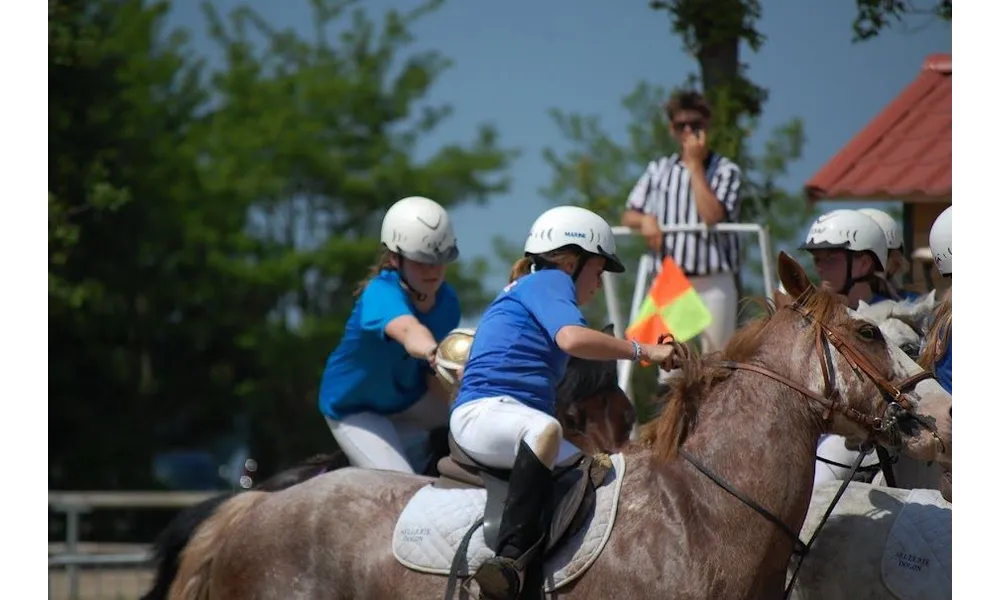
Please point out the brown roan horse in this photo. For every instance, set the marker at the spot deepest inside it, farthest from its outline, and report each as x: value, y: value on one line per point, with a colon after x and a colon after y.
x: 751, y: 418
x: 595, y: 413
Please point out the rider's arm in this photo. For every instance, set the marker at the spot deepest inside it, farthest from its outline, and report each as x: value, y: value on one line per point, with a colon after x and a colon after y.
x: 418, y: 341
x: 385, y: 310
x: 588, y: 344
x: 555, y: 308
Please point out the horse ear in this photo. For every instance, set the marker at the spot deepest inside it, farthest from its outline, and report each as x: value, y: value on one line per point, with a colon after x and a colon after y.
x: 609, y: 329
x: 862, y: 305
x: 792, y: 276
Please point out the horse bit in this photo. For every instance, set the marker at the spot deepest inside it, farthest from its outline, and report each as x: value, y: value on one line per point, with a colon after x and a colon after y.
x: 898, y: 408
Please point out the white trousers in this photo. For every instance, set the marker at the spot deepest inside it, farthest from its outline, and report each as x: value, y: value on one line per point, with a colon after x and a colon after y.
x: 397, y: 442
x: 718, y: 292
x: 490, y: 430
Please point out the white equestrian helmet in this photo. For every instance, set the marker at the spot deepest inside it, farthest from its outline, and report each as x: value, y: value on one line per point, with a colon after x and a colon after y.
x: 893, y: 236
x: 574, y: 226
x: 940, y: 241
x: 848, y: 230
x: 420, y: 229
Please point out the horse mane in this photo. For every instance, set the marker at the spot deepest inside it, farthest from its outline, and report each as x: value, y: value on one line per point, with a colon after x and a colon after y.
x: 666, y: 432
x: 311, y: 467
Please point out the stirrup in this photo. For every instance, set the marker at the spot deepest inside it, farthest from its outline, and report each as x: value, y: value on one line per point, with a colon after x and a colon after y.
x: 499, y: 578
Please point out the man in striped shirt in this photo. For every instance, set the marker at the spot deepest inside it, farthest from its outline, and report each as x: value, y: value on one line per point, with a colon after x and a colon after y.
x: 694, y: 186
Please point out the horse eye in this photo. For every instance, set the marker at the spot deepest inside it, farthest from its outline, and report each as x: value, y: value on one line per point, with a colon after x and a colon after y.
x: 869, y: 332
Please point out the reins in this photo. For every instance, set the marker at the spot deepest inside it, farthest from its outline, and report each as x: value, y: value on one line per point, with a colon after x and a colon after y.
x: 898, y: 406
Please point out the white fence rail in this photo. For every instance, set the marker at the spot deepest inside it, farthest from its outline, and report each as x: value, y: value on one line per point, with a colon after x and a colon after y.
x: 647, y: 267
x: 75, y: 504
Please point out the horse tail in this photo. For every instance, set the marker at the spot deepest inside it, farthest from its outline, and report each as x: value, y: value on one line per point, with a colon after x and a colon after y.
x: 171, y: 542
x: 192, y: 577
x: 175, y: 537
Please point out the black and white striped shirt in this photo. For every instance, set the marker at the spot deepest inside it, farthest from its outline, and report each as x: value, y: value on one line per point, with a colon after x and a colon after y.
x: 665, y: 191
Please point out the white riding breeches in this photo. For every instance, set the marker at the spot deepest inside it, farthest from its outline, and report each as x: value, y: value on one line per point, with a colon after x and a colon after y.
x: 490, y: 431
x: 396, y: 442
x: 718, y: 292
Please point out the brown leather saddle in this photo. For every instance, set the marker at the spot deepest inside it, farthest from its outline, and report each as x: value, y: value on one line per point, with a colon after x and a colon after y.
x: 576, y: 480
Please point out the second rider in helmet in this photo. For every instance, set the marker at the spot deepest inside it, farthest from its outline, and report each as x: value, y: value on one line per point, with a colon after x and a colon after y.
x: 504, y: 415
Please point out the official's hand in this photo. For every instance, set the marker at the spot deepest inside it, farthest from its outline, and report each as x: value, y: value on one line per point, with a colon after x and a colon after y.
x: 650, y: 230
x: 694, y: 148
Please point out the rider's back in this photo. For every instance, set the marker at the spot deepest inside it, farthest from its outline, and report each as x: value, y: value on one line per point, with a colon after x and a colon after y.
x: 514, y: 352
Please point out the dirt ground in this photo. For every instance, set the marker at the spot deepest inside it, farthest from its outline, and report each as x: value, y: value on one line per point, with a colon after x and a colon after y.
x: 102, y: 584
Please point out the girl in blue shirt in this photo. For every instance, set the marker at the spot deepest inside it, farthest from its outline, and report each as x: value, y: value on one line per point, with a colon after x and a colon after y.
x: 504, y: 414
x: 378, y: 393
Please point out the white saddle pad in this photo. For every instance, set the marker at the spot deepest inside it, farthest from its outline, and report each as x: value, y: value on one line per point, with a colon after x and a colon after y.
x: 916, y: 564
x: 431, y: 527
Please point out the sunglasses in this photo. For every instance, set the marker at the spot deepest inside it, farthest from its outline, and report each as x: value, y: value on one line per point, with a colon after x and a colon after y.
x: 696, y: 125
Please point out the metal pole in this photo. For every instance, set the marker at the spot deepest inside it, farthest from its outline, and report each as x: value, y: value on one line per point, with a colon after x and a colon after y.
x: 764, y: 238
x: 614, y: 307
x: 72, y: 539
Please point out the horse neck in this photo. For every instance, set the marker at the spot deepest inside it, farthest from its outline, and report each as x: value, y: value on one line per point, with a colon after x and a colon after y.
x: 760, y: 436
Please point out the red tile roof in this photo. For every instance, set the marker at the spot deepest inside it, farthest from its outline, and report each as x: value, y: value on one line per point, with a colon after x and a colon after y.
x: 904, y: 152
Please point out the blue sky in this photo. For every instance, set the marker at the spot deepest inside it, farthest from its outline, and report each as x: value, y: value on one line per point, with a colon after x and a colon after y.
x: 514, y: 60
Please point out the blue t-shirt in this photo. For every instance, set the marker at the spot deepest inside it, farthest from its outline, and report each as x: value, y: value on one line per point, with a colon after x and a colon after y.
x: 907, y: 295
x: 370, y: 371
x: 942, y: 368
x: 514, y: 352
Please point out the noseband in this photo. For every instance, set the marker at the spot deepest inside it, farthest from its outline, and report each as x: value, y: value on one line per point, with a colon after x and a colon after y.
x: 898, y: 407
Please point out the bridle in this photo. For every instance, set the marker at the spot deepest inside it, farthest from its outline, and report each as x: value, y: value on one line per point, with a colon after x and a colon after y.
x: 898, y: 408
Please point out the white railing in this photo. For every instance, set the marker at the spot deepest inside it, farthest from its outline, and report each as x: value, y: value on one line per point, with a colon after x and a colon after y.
x: 75, y: 504
x: 647, y: 267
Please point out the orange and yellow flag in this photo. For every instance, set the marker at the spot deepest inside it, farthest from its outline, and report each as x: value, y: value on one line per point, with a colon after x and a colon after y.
x: 671, y: 307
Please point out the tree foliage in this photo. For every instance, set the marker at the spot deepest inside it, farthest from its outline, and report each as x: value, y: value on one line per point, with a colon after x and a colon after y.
x: 207, y: 227
x: 601, y: 168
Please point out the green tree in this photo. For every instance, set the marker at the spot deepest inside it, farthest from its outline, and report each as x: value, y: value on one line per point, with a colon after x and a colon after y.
x: 599, y: 170
x: 875, y: 16
x: 208, y: 227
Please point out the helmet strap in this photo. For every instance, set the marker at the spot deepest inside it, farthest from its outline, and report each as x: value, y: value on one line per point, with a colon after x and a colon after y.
x: 418, y: 296
x: 851, y: 280
x: 581, y: 262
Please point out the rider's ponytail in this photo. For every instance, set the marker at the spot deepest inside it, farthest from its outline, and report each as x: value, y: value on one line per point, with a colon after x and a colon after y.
x: 558, y: 258
x: 384, y: 262
x: 939, y: 336
x: 522, y: 267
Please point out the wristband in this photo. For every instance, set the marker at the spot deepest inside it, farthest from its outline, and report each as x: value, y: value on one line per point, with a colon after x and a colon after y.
x: 636, y: 351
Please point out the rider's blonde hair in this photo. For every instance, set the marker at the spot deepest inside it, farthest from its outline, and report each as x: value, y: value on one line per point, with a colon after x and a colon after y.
x: 939, y: 335
x: 564, y: 257
x: 383, y: 262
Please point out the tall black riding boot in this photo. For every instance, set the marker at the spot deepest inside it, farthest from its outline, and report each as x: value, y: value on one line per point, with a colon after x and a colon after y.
x: 522, y: 528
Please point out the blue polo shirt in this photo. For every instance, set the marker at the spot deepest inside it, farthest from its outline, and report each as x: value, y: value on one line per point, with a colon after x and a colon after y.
x: 514, y: 352
x: 371, y: 372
